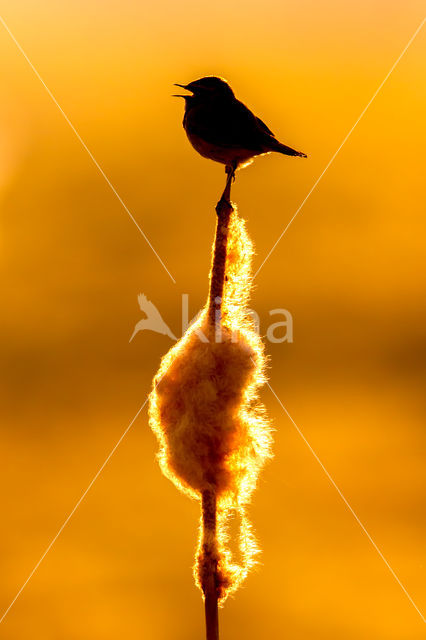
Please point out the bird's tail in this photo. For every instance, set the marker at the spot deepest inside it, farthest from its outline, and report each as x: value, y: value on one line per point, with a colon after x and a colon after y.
x: 288, y: 151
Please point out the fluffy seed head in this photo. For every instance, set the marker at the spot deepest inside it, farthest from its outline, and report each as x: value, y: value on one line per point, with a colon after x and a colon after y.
x: 212, y: 430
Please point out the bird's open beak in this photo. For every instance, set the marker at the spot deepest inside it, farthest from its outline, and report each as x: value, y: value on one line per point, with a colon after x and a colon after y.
x: 179, y: 95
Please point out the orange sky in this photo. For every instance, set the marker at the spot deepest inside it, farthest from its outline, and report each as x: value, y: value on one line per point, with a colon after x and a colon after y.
x: 350, y: 269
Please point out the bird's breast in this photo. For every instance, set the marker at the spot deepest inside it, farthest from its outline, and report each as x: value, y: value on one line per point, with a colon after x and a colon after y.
x: 207, y: 132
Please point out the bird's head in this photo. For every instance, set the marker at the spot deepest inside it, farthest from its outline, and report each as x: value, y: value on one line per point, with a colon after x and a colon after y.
x: 207, y: 88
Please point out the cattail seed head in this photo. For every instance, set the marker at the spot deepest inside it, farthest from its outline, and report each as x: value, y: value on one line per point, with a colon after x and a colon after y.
x: 213, y: 432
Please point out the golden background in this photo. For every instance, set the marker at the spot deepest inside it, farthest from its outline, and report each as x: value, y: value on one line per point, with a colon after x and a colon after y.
x: 350, y: 269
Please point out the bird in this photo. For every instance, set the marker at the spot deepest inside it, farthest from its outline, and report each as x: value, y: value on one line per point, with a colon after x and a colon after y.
x: 153, y: 320
x: 223, y: 129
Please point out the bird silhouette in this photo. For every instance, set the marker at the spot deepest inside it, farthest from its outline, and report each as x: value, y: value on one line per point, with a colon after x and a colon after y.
x: 153, y: 320
x: 223, y: 129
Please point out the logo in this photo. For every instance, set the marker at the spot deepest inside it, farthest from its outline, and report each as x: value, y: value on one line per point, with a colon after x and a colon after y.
x: 153, y: 320
x: 276, y: 332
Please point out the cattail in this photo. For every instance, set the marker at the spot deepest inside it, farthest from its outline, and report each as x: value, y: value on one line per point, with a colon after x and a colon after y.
x: 213, y: 433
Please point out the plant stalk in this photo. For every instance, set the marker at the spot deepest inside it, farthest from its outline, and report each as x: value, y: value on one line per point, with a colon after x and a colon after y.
x: 208, y: 499
x: 217, y: 278
x: 210, y: 565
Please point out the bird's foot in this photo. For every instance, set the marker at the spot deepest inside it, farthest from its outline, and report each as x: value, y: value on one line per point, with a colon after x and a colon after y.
x: 230, y: 171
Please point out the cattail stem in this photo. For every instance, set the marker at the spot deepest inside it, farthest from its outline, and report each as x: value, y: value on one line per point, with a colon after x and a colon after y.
x: 209, y: 582
x: 217, y: 278
x: 209, y: 554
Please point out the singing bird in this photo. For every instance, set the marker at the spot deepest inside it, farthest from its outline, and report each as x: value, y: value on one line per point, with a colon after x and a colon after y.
x: 223, y: 129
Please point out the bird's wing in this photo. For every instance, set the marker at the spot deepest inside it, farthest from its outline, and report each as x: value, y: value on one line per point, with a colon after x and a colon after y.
x: 142, y: 299
x: 264, y: 128
x: 148, y: 307
x: 229, y: 124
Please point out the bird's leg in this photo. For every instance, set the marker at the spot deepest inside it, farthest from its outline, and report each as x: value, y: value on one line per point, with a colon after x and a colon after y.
x: 231, y: 169
x: 224, y: 206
